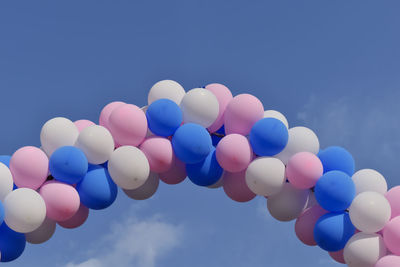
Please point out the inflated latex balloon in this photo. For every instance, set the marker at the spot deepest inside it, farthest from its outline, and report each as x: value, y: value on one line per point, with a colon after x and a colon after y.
x: 235, y: 187
x: 82, y: 124
x: 217, y: 136
x: 393, y: 196
x: 147, y: 190
x: 43, y: 233
x: 159, y: 153
x: 29, y: 167
x: 234, y: 153
x: 128, y: 167
x: 241, y: 113
x: 333, y: 230
x: 391, y: 235
x: 337, y: 256
x: 336, y: 158
x: 106, y: 112
x: 166, y: 89
x: 277, y: 115
x: 224, y: 96
x: 25, y: 210
x: 176, y: 174
x: 5, y: 159
x: 305, y: 224
x: 56, y: 133
x: 388, y: 261
x: 77, y: 219
x: 303, y: 170
x: 369, y: 212
x: 301, y: 139
x: 369, y: 180
x: 364, y: 250
x: 6, y: 181
x: 288, y: 204
x: 335, y: 191
x: 97, y: 143
x: 265, y: 176
x: 206, y: 172
x: 164, y: 117
x: 12, y: 244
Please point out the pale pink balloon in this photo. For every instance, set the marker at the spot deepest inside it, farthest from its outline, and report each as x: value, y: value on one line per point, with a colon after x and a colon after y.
x: 241, y: 113
x: 337, y: 256
x: 304, y: 226
x: 128, y: 125
x: 29, y: 167
x: 82, y: 124
x: 224, y: 96
x: 303, y: 170
x: 62, y: 200
x: 77, y: 219
x: 235, y: 186
x: 391, y: 235
x: 393, y: 196
x: 234, y: 153
x: 388, y: 261
x: 176, y: 174
x: 106, y: 112
x: 159, y: 153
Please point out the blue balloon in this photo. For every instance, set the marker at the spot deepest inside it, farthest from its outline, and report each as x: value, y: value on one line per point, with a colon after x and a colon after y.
x: 97, y: 190
x: 218, y: 136
x: 15, y: 187
x: 206, y: 172
x: 5, y: 159
x: 191, y: 143
x: 333, y: 230
x: 336, y: 158
x: 268, y: 137
x: 1, y: 213
x: 335, y: 191
x: 12, y: 244
x: 68, y: 164
x: 164, y: 117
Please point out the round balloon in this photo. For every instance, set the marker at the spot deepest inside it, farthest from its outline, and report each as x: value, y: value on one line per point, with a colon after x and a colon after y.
x: 303, y: 170
x: 388, y: 261
x: 277, y: 115
x: 369, y: 180
x: 235, y: 187
x: 337, y: 256
x: 166, y: 89
x: 77, y: 219
x: 82, y: 124
x: 364, y: 250
x: 336, y: 158
x: 43, y: 233
x: 206, y: 172
x: 164, y: 117
x: 158, y: 151
x: 224, y: 96
x: 106, y: 112
x: 176, y: 174
x: 147, y: 190
x: 6, y: 181
x: 391, y: 235
x: 234, y: 153
x: 12, y: 244
x: 305, y: 224
x: 393, y: 196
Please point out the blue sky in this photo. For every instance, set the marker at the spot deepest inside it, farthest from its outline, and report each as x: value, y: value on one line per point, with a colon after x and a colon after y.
x: 332, y: 66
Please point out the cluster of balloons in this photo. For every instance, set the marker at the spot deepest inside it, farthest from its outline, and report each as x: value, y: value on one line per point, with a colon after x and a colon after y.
x: 214, y: 139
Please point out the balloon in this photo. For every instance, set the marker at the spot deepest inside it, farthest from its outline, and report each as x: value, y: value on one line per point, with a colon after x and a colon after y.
x: 97, y: 190
x: 62, y: 200
x: 166, y: 89
x: 206, y: 172
x: 25, y: 210
x: 200, y: 106
x: 241, y: 113
x: 277, y: 115
x: 305, y: 224
x: 128, y: 167
x: 56, y: 133
x: 77, y: 219
x: 158, y: 151
x: 235, y: 186
x: 369, y: 180
x: 265, y: 176
x: 1, y: 213
x: 5, y: 159
x: 391, y: 235
x: 147, y: 190
x: 224, y: 96
x: 97, y: 143
x: 369, y: 212
x: 388, y: 261
x: 337, y: 256
x: 176, y: 174
x: 191, y: 143
x: 333, y: 230
x: 82, y: 124
x: 288, y: 204
x: 218, y: 184
x: 301, y: 139
x: 43, y: 233
x: 12, y: 244
x: 393, y: 196
x: 364, y: 250
x: 335, y: 191
x: 6, y: 181
x: 268, y: 137
x: 234, y: 153
x: 217, y: 136
x: 303, y: 170
x: 164, y: 117
x: 106, y: 112
x: 29, y: 167
x: 336, y: 158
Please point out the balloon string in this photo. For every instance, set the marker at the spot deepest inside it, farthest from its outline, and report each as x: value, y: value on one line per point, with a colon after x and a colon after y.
x: 217, y: 134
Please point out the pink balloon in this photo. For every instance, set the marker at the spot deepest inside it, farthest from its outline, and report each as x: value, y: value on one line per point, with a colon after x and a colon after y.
x: 176, y: 174
x: 82, y: 124
x: 224, y: 96
x: 241, y: 113
x: 234, y: 153
x: 393, y: 196
x: 29, y: 167
x: 106, y: 112
x: 338, y: 256
x: 304, y: 226
x: 235, y: 186
x: 158, y: 151
x: 77, y: 219
x: 388, y: 261
x: 62, y: 200
x: 128, y: 125
x: 391, y: 235
x: 303, y: 170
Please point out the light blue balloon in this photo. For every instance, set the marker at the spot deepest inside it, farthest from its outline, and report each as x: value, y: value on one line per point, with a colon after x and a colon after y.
x: 206, y: 172
x: 337, y: 158
x: 5, y: 159
x: 12, y: 244
x: 164, y: 117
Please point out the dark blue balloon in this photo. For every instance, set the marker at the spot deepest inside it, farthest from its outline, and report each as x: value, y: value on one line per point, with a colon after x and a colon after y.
x: 68, y: 164
x: 15, y: 187
x: 335, y: 191
x: 12, y: 244
x: 97, y: 190
x: 5, y: 159
x: 268, y: 137
x: 333, y: 230
x: 191, y: 143
x: 164, y: 117
x: 336, y: 158
x: 1, y: 213
x: 206, y: 172
x: 218, y: 135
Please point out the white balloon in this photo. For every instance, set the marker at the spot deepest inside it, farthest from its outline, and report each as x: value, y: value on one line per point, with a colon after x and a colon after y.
x: 147, y: 190
x: 369, y: 180
x: 369, y: 212
x: 97, y: 143
x: 6, y: 181
x: 301, y: 139
x: 200, y: 106
x: 288, y: 204
x: 166, y: 89
x: 43, y: 233
x: 277, y: 115
x: 364, y: 250
x: 265, y: 176
x: 25, y: 210
x: 128, y: 167
x: 56, y: 133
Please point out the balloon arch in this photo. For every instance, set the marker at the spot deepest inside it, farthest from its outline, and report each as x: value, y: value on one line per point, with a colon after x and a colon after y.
x: 214, y: 139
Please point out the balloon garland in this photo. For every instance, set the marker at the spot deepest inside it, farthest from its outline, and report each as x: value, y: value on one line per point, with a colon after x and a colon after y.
x: 214, y: 139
